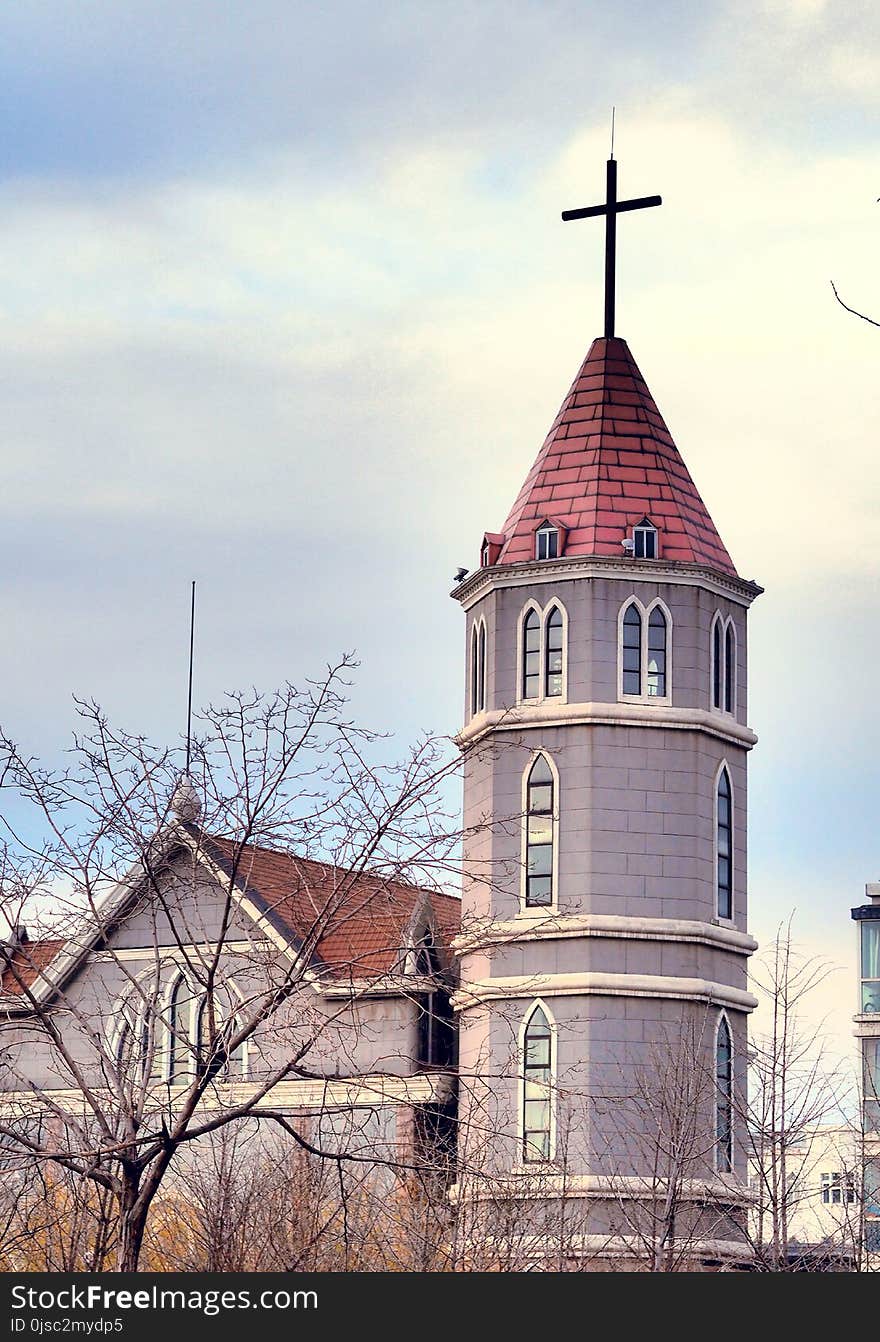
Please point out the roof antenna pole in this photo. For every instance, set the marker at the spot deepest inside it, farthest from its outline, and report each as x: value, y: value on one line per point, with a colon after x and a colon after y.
x: 189, y: 697
x: 612, y: 133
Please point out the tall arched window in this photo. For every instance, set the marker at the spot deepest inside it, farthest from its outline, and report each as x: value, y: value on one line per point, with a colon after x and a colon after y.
x: 553, y: 653
x: 481, y: 669
x: 475, y: 671
x: 724, y: 846
x: 724, y: 1098
x: 729, y: 668
x: 537, y: 1087
x: 539, y: 834
x: 178, y: 1041
x: 632, y: 650
x: 717, y: 664
x: 656, y: 653
x: 531, y: 655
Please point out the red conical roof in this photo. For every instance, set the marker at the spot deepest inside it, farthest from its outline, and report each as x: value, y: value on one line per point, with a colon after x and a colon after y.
x: 607, y: 462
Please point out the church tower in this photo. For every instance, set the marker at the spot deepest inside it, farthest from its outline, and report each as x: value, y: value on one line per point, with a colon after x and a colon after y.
x: 603, y: 1004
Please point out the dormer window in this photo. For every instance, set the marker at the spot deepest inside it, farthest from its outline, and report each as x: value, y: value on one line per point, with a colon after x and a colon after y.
x: 484, y: 555
x: 547, y: 542
x: 645, y: 540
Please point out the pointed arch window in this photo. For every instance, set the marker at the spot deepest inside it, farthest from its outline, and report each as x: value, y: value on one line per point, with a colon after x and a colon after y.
x: 537, y: 1071
x: 724, y: 664
x: 178, y: 1041
x: 724, y: 1098
x: 539, y: 835
x: 632, y: 650
x: 531, y: 655
x: 729, y: 668
x: 717, y: 663
x: 656, y: 679
x: 481, y: 668
x: 553, y: 636
x: 724, y: 846
x: 478, y: 668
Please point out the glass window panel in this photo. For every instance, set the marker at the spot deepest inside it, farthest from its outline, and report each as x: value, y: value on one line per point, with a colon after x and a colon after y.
x: 871, y: 1068
x: 554, y: 685
x: 554, y: 660
x: 533, y: 633
x: 536, y: 1090
x: 631, y: 682
x: 540, y: 797
x: 870, y: 937
x: 539, y: 890
x: 537, y: 1115
x: 537, y: 1049
x: 631, y: 659
x: 540, y: 830
x: 540, y: 771
x: 872, y: 1116
x: 729, y: 669
x: 872, y: 1187
x: 870, y: 997
x: 657, y: 629
x: 540, y: 859
x: 536, y: 1146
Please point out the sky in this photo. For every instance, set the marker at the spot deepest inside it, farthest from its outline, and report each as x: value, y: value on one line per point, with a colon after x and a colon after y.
x: 287, y: 308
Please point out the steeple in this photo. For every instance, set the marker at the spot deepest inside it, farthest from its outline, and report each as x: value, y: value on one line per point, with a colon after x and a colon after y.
x: 608, y: 462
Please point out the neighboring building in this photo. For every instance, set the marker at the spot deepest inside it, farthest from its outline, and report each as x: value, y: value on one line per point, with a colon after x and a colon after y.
x: 821, y: 1201
x: 605, y: 943
x: 867, y: 1031
x: 360, y: 966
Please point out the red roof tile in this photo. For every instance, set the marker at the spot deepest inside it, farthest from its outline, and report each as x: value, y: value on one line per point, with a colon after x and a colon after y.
x: 355, y: 924
x: 610, y: 432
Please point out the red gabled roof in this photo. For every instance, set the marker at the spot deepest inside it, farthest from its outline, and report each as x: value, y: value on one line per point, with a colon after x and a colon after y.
x: 355, y: 923
x: 607, y: 462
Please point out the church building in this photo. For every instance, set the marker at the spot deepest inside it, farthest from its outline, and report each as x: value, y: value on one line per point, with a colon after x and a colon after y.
x: 596, y: 978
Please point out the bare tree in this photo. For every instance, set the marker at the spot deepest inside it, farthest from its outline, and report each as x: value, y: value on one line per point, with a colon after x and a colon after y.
x: 794, y: 1087
x: 91, y: 847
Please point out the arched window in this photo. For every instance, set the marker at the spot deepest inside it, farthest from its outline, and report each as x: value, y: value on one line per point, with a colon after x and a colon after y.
x: 717, y: 663
x: 729, y: 668
x: 724, y: 846
x: 537, y: 1087
x: 539, y: 834
x: 723, y: 1098
x: 553, y: 653
x: 178, y: 1041
x: 531, y: 655
x: 478, y: 668
x: 481, y: 669
x: 632, y: 650
x: 656, y: 653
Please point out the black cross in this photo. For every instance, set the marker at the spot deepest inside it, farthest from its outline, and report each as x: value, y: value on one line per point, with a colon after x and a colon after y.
x: 611, y: 209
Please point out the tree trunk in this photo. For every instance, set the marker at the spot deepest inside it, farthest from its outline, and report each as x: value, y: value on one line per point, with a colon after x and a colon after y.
x: 132, y: 1223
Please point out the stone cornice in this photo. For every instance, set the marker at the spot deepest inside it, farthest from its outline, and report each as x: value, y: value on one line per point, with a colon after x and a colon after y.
x: 557, y: 926
x: 523, y: 717
x: 596, y: 984
x: 483, y: 580
x: 362, y: 1092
